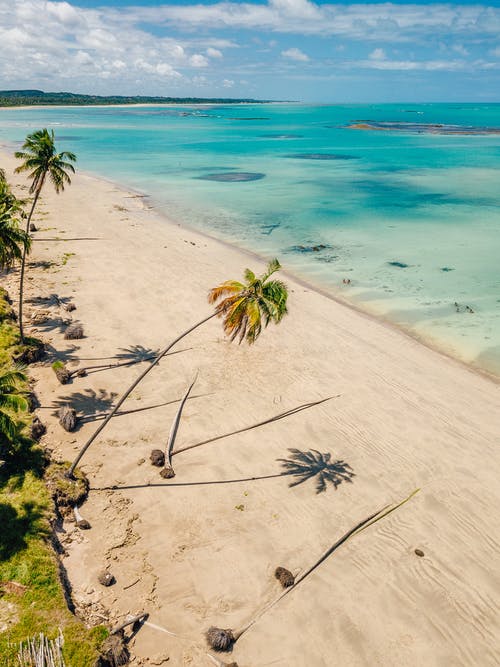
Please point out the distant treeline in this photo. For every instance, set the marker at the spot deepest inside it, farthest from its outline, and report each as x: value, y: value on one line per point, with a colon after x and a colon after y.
x: 14, y: 98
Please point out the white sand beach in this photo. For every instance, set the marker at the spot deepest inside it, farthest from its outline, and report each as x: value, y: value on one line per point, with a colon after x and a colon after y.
x: 201, y: 549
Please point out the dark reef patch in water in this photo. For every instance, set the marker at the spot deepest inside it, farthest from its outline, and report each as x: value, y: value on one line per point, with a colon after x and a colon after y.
x: 309, y: 248
x: 400, y: 265
x: 233, y: 177
x: 322, y: 156
x: 446, y: 268
x: 422, y: 128
x: 69, y: 137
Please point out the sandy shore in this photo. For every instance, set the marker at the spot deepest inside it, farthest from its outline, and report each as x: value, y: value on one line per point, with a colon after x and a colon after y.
x: 201, y: 549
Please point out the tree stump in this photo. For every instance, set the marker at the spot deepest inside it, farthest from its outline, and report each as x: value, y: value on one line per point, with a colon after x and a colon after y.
x: 62, y: 373
x: 67, y: 418
x: 157, y: 458
x: 37, y: 428
x: 74, y: 331
x: 284, y: 576
x: 105, y: 578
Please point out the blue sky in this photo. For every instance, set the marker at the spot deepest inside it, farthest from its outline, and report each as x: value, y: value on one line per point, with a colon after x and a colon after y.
x: 271, y: 49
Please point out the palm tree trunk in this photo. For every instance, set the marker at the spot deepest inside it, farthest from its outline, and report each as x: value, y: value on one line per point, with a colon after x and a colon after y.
x: 362, y: 525
x: 130, y: 390
x: 23, y: 262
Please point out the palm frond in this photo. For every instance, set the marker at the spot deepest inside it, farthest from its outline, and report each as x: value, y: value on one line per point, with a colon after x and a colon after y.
x: 228, y: 287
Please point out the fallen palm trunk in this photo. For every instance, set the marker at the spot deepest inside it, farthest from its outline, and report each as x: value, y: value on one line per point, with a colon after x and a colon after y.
x: 127, y: 393
x: 223, y: 639
x: 168, y: 471
x: 282, y: 415
x: 41, y: 652
x: 116, y: 364
x: 80, y: 522
x: 140, y: 618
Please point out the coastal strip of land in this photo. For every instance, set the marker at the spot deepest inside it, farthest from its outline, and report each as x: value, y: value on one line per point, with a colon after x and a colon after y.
x: 419, y: 587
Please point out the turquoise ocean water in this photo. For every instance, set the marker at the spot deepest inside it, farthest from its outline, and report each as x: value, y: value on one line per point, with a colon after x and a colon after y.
x: 411, y: 219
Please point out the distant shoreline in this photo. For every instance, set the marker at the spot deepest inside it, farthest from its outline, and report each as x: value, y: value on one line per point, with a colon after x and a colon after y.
x: 38, y: 98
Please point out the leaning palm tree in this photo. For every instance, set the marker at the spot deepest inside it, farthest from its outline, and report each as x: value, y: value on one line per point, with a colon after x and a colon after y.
x: 41, y: 160
x: 11, y: 401
x: 13, y: 240
x: 245, y: 309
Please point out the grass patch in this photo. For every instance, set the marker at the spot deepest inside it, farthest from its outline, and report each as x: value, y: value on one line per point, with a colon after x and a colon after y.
x: 66, y: 256
x: 26, y: 553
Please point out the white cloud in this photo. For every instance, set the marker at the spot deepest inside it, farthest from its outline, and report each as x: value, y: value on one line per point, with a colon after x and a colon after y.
x: 429, y: 65
x: 213, y: 53
x: 295, y: 54
x: 63, y: 46
x: 228, y: 83
x: 387, y: 20
x: 197, y: 60
x: 377, y: 54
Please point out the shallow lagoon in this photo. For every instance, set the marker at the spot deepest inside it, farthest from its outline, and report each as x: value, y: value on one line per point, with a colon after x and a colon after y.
x: 411, y: 219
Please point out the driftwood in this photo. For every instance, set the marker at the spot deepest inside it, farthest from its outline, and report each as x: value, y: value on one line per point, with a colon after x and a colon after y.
x: 223, y: 640
x: 140, y: 618
x: 67, y: 418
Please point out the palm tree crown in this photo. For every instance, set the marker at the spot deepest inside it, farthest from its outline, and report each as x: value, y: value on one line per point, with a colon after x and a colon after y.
x: 11, y: 401
x: 12, y: 238
x: 246, y: 306
x: 40, y: 158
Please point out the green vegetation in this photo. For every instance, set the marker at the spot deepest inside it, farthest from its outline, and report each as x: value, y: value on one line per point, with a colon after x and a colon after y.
x: 12, y: 238
x: 13, y: 98
x: 66, y: 257
x: 12, y: 402
x: 32, y: 596
x: 41, y: 160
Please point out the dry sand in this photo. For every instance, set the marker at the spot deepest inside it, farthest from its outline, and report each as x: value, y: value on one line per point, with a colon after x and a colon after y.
x: 201, y: 549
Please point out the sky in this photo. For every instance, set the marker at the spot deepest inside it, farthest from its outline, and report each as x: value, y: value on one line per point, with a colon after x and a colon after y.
x: 267, y: 49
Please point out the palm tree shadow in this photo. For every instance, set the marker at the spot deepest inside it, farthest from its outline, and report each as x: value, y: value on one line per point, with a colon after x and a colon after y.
x: 87, y: 402
x: 302, y: 465
x: 17, y: 525
x: 136, y: 353
x: 315, y: 465
x: 66, y: 356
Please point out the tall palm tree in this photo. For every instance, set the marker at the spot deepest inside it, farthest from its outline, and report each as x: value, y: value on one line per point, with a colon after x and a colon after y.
x: 249, y: 305
x: 11, y: 401
x: 42, y: 161
x: 13, y: 240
